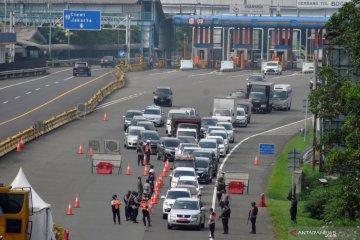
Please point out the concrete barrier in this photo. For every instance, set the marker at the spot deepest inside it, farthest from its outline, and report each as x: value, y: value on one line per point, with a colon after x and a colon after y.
x: 227, y: 66
x: 308, y: 67
x: 186, y: 65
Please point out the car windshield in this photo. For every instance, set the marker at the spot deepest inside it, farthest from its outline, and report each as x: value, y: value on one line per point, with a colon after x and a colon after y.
x: 177, y: 194
x: 190, y: 205
x: 171, y: 143
x: 201, y: 164
x: 239, y: 94
x: 244, y: 106
x: 257, y: 95
x: 184, y: 163
x: 135, y: 132
x: 222, y: 112
x: 187, y: 126
x: 152, y: 111
x: 188, y: 182
x: 147, y: 126
x: 80, y: 65
x: 188, y: 151
x: 279, y: 95
x: 240, y: 113
x: 163, y: 91
x: 172, y: 114
x: 186, y: 133
x: 272, y: 64
x: 221, y: 134
x: 208, y: 122
x: 225, y: 125
x: 206, y: 144
x: 132, y: 114
x: 219, y: 140
x: 256, y: 78
x: 183, y: 173
x: 187, y: 139
x: 150, y: 136
x: 200, y: 154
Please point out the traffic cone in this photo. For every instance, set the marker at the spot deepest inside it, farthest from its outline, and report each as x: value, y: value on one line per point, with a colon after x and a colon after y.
x: 164, y: 172
x: 80, y: 149
x: 156, y: 187
x: 77, y: 202
x: 128, y: 171
x: 18, y: 148
x: 161, y: 182
x: 69, y: 211
x: 105, y: 117
x: 22, y: 143
x: 256, y: 161
x: 145, y: 160
x: 167, y: 165
x: 262, y: 201
x: 146, y: 170
x: 91, y: 152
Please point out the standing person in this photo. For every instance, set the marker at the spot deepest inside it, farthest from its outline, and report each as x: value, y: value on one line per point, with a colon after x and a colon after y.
x: 147, y: 151
x: 140, y: 187
x: 115, y: 207
x: 211, y: 222
x: 225, y: 216
x: 220, y: 188
x: 130, y: 205
x: 135, y: 207
x: 147, y: 189
x: 252, y: 215
x: 225, y: 201
x: 140, y: 153
x: 126, y: 202
x: 145, y: 211
x: 293, y: 208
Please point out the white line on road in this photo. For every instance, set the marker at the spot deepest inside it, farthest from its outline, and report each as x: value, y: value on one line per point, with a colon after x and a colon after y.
x: 241, y: 142
x: 159, y: 73
x: 68, y: 78
x: 37, y: 89
x: 17, y: 97
x: 202, y: 74
x: 119, y: 100
x: 56, y: 82
x: 27, y: 93
x: 47, y: 85
x: 284, y: 76
x: 235, y: 76
x: 5, y: 102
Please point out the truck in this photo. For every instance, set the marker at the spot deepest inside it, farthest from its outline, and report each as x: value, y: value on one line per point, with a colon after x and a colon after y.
x: 177, y: 119
x: 260, y: 94
x: 224, y: 109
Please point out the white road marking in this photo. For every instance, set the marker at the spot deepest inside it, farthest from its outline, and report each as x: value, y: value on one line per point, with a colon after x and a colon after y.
x: 235, y: 76
x: 159, y: 73
x: 5, y: 102
x: 119, y: 100
x: 37, y: 89
x: 241, y: 142
x: 56, y: 82
x: 27, y: 93
x: 47, y: 85
x: 17, y: 97
x: 284, y: 76
x: 202, y: 74
x: 33, y: 80
x: 68, y: 78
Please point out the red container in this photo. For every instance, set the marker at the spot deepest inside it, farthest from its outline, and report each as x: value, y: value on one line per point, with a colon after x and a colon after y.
x: 104, y: 168
x: 236, y: 187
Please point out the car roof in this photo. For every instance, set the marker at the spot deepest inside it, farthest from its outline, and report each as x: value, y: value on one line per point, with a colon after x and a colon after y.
x: 188, y: 178
x: 188, y: 199
x: 240, y: 108
x: 218, y: 131
x: 178, y: 189
x: 150, y: 131
x: 214, y: 137
x: 153, y: 107
x: 204, y: 150
x: 145, y: 122
x: 163, y: 88
x: 138, y: 111
x: 187, y: 130
x: 216, y: 127
x: 184, y: 169
x: 136, y: 127
x: 139, y: 117
x: 202, y: 159
x: 227, y: 123
x: 169, y: 138
x: 207, y: 140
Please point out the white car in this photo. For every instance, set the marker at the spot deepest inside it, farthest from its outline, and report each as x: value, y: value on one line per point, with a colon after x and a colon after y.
x: 188, y: 150
x: 221, y: 145
x: 188, y: 132
x: 132, y: 136
x: 224, y: 135
x: 154, y: 114
x: 189, y: 180
x: 273, y: 67
x: 183, y: 145
x: 241, y: 118
x: 211, y: 128
x: 229, y: 129
x: 171, y: 195
x: 187, y: 212
x: 181, y: 171
x: 210, y: 144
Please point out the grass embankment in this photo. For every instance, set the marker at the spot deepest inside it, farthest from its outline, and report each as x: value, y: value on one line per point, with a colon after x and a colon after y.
x: 279, y: 187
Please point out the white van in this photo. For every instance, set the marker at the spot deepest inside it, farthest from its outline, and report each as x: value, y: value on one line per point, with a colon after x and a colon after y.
x: 187, y: 132
x: 282, y: 96
x: 171, y: 113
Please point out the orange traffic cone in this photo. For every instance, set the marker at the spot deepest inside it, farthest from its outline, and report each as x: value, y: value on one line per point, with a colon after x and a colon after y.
x: 128, y: 171
x: 77, y: 202
x: 164, y: 172
x: 18, y: 148
x: 22, y: 143
x: 80, y: 149
x: 105, y: 116
x: 167, y: 165
x: 256, y: 161
x: 146, y: 170
x: 145, y: 160
x: 262, y: 202
x: 91, y: 152
x: 69, y: 211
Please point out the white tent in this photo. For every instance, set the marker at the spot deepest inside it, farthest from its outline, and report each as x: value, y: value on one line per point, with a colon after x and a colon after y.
x: 42, y: 221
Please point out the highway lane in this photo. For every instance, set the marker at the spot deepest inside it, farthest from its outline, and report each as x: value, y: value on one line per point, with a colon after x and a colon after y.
x: 58, y: 173
x: 26, y: 100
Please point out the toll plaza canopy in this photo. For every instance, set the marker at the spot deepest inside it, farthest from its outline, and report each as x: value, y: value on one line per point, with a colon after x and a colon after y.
x: 250, y: 21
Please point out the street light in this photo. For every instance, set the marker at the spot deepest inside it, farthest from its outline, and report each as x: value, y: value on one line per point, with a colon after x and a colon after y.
x: 49, y: 6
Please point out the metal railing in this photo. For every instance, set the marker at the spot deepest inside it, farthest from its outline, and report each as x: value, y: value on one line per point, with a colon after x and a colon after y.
x: 23, y: 73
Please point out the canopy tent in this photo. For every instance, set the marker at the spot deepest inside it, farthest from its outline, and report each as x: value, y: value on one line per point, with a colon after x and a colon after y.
x: 42, y: 221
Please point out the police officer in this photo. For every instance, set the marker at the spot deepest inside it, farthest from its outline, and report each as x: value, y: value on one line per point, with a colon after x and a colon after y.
x: 135, y: 207
x: 293, y: 208
x: 220, y: 188
x: 115, y: 207
x: 145, y: 211
x: 140, y: 154
x: 140, y: 186
x: 225, y: 216
x: 126, y: 202
x: 253, y: 214
x: 147, y: 189
x: 147, y: 151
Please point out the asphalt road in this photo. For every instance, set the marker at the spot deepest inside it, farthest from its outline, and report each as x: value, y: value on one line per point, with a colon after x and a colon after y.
x: 26, y: 100
x: 57, y: 172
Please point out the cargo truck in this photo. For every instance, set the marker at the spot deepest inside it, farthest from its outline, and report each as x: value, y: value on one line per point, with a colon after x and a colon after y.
x: 177, y: 119
x: 224, y: 109
x: 260, y: 94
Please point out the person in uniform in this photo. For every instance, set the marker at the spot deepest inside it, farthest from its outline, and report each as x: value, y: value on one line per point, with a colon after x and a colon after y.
x: 225, y: 216
x: 253, y: 214
x: 145, y: 211
x: 126, y: 202
x: 115, y: 207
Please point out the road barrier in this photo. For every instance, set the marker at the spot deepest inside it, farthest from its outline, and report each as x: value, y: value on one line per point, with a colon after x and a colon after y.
x: 186, y: 65
x: 227, y: 66
x: 46, y: 126
x: 23, y: 73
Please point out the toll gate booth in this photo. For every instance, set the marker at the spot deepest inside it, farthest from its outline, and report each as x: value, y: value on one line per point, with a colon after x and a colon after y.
x: 7, y: 38
x: 202, y: 46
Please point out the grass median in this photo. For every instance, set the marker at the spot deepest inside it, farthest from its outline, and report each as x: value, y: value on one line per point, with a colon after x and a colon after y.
x: 279, y: 187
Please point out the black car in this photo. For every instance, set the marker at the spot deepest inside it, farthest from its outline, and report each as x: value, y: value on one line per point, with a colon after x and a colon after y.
x: 166, y: 148
x: 81, y: 68
x: 153, y: 137
x: 204, y: 169
x: 130, y: 114
x: 255, y: 78
x: 207, y: 153
x: 163, y: 96
x: 108, y: 61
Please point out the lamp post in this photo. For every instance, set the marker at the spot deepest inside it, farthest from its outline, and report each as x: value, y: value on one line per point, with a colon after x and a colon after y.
x: 50, y: 30
x: 5, y: 3
x: 185, y: 41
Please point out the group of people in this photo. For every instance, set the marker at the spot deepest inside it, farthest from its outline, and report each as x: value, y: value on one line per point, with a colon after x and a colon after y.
x: 143, y: 151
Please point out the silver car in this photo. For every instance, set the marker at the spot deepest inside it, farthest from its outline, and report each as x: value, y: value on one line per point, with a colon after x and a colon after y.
x: 132, y: 136
x: 130, y: 114
x: 187, y: 212
x: 224, y: 135
x: 229, y: 129
x: 155, y: 115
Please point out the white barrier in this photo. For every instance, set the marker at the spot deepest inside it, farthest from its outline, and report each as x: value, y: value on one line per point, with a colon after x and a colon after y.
x: 308, y: 67
x: 227, y: 66
x: 186, y: 65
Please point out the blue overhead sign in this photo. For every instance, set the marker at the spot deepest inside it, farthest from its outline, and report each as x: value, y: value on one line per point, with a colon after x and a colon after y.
x: 82, y: 20
x: 266, y: 149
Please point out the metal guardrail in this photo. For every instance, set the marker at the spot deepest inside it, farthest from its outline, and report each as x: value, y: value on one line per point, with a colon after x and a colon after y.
x: 61, y: 63
x: 32, y: 132
x: 23, y: 72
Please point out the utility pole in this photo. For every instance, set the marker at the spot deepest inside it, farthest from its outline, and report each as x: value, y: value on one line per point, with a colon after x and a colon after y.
x: 5, y: 2
x: 50, y: 30
x: 127, y: 39
x: 185, y: 40
x: 294, y: 165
